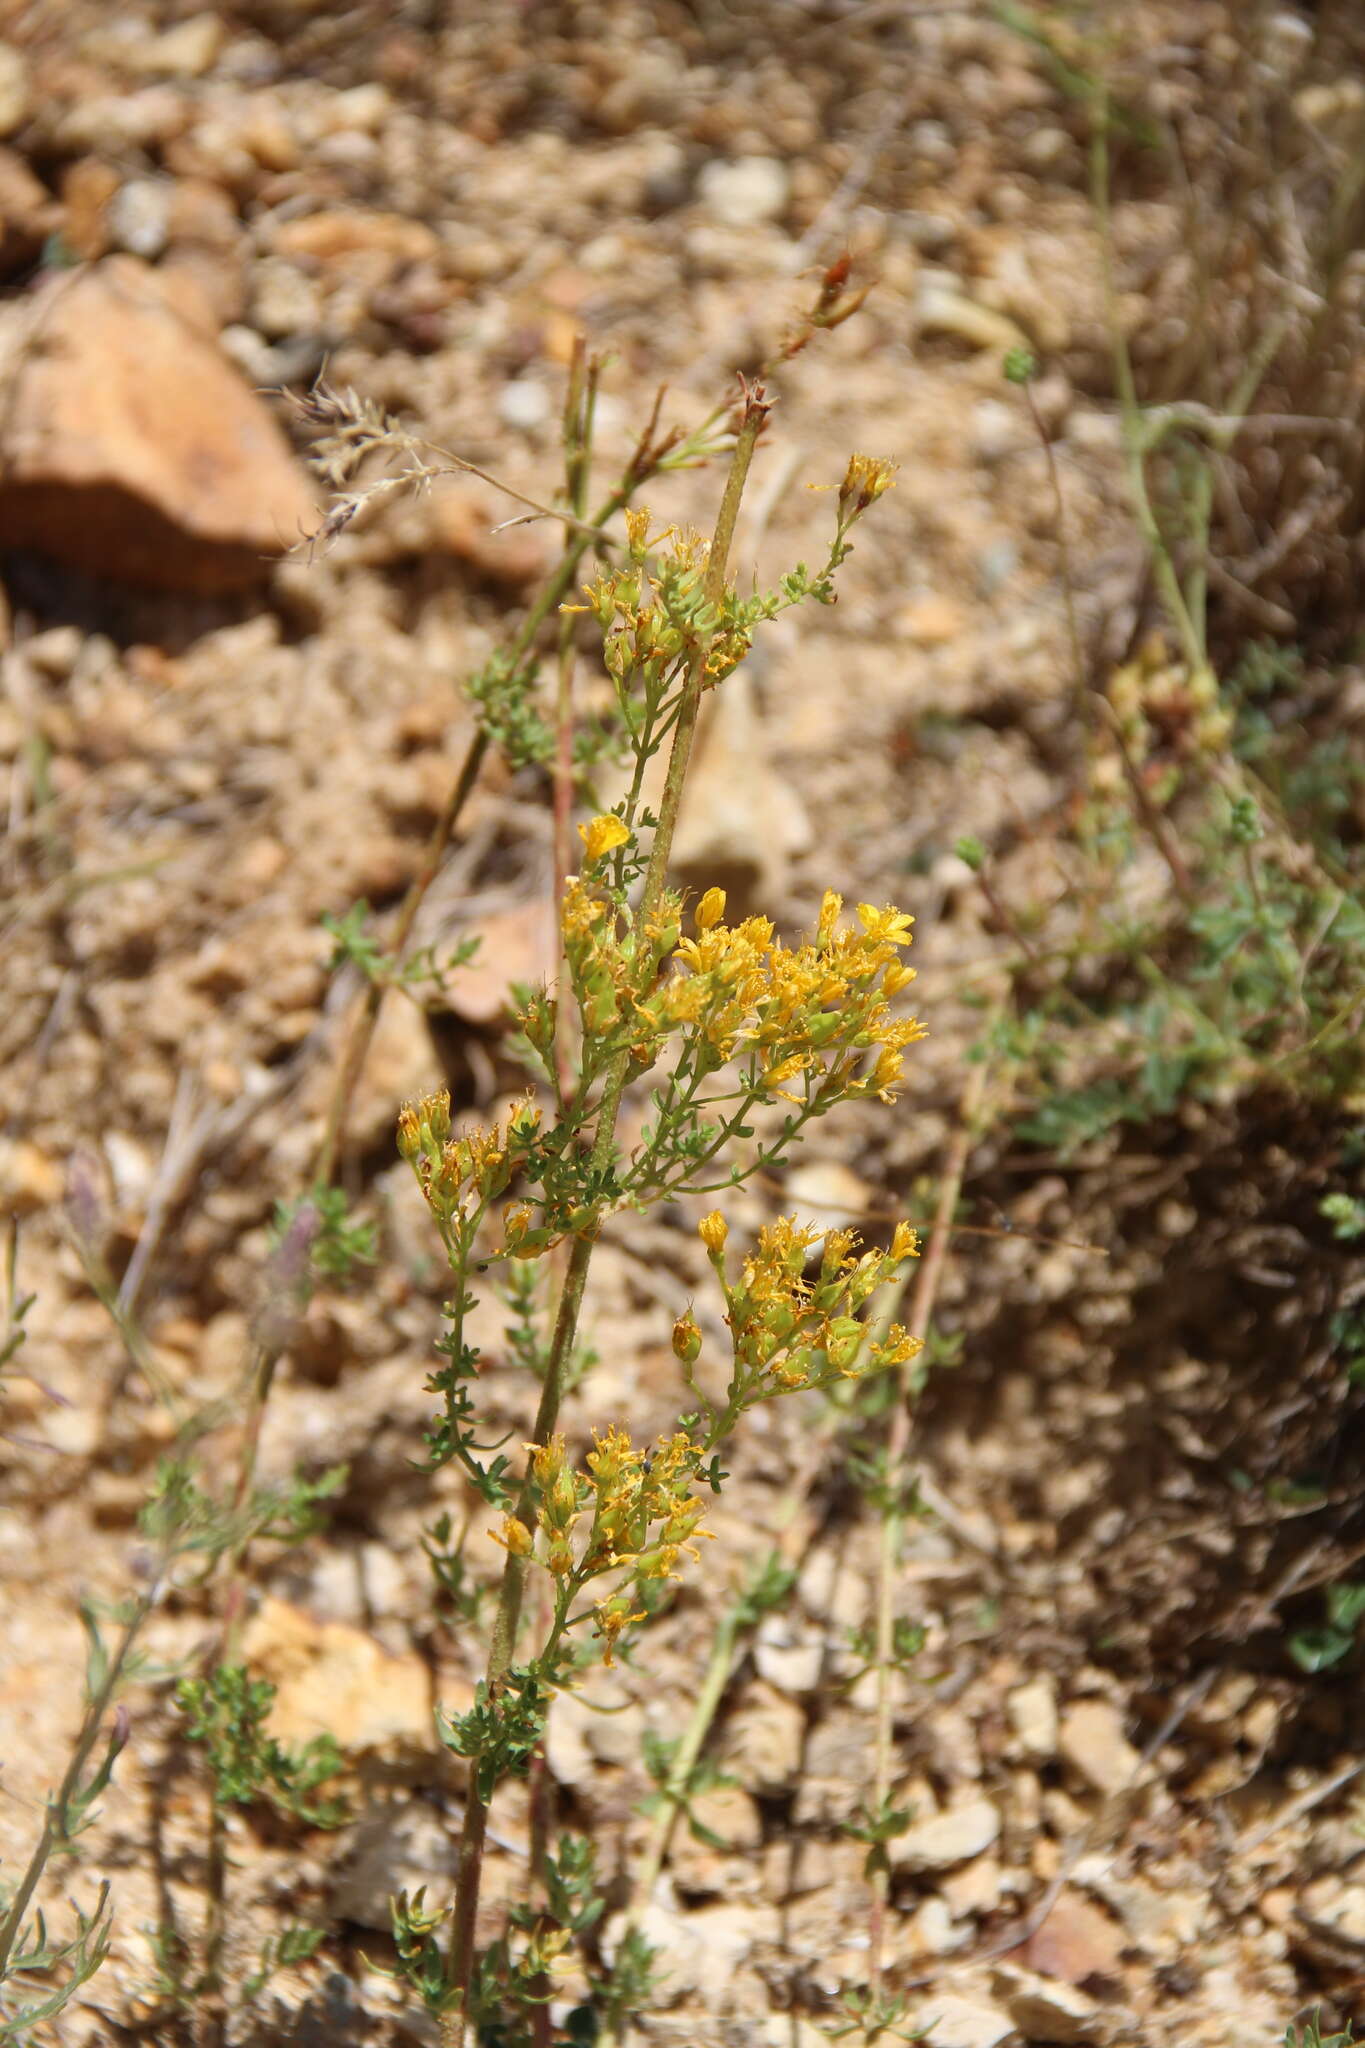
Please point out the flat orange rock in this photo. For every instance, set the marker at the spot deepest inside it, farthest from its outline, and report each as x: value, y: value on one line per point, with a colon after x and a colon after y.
x: 131, y: 448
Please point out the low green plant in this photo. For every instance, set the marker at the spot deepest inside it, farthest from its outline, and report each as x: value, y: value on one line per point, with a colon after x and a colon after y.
x: 189, y: 1529
x: 1249, y: 970
x: 420, y: 974
x: 1310, y: 2035
x: 180, y: 1523
x: 225, y: 1714
x: 1330, y: 1643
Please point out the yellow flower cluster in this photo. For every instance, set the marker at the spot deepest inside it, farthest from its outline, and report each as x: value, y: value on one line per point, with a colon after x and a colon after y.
x: 459, y: 1177
x: 610, y: 968
x: 650, y: 621
x: 644, y: 1515
x: 1162, y: 701
x: 792, y: 1331
x: 821, y: 1009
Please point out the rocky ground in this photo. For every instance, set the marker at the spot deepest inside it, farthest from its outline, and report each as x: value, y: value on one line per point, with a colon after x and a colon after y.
x: 211, y: 737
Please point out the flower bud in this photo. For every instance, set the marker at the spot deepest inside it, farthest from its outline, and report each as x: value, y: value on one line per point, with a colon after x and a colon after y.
x: 538, y: 1021
x: 524, y: 1122
x: 710, y: 910
x: 423, y: 1127
x: 561, y: 1500
x: 516, y: 1536
x: 686, y: 1340
x: 843, y: 1342
x: 714, y: 1230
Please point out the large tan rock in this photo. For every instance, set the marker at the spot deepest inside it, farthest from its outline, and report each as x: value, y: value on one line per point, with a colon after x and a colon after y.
x: 129, y: 446
x: 332, y: 1679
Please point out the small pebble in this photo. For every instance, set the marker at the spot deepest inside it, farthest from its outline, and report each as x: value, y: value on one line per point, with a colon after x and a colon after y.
x: 524, y: 404
x: 1092, y: 1741
x: 743, y: 193
x: 1032, y: 1712
x: 948, y: 1838
x: 138, y: 216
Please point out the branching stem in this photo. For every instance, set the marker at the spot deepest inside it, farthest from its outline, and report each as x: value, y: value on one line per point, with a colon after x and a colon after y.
x: 501, y: 1651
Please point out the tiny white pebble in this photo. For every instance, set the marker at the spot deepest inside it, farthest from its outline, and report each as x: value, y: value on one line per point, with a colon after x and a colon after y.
x: 525, y: 404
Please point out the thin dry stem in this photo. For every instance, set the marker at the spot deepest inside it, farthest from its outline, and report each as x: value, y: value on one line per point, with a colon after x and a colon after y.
x: 927, y: 1278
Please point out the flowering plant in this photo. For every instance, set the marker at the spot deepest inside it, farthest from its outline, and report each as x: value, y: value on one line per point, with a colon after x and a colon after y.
x: 720, y: 1021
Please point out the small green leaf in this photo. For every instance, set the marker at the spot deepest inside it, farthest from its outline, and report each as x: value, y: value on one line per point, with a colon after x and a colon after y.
x: 1319, y: 1649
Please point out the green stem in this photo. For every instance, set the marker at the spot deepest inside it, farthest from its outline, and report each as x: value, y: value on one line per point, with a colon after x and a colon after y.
x: 1134, y: 442
x: 578, y: 420
x: 1079, y: 666
x: 893, y: 1519
x: 461, y: 1956
x: 57, y: 1818
x: 367, y: 1017
x: 673, y: 1795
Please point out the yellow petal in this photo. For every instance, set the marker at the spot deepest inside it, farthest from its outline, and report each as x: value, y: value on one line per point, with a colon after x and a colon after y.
x: 602, y: 835
x: 711, y: 909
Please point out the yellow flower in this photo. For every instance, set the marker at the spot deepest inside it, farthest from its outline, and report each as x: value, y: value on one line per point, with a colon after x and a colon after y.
x: 514, y: 1536
x: 710, y: 910
x: 885, y: 926
x: 714, y: 1230
x: 865, y: 479
x: 886, y: 1073
x: 547, y: 1459
x: 612, y: 1617
x: 637, y: 530
x: 905, y: 1243
x: 602, y: 836
x: 518, y: 1221
x: 614, y: 1455
x: 773, y: 1077
x: 897, y: 1348
x: 424, y: 1125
